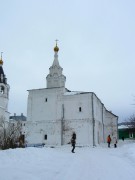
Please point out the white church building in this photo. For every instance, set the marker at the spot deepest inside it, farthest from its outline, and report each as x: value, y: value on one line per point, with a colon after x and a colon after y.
x: 54, y: 113
x: 4, y: 94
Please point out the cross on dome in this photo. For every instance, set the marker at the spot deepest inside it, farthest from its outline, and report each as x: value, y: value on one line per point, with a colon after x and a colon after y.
x: 56, y: 48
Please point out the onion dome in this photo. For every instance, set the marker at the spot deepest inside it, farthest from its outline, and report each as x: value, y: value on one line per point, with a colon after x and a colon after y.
x: 1, y: 62
x: 56, y: 48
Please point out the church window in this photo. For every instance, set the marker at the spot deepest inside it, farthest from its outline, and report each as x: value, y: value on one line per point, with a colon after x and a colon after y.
x: 2, y: 89
x: 80, y: 109
x: 45, y: 99
x: 45, y: 137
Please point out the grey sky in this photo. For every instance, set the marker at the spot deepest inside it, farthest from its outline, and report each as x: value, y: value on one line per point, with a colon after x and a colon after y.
x: 96, y: 41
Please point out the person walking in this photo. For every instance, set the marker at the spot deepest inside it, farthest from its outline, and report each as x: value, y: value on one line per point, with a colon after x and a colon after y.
x: 109, y: 140
x: 73, y: 142
x: 115, y: 142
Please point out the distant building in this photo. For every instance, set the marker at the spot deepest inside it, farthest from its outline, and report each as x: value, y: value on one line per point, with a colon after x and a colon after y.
x: 126, y: 131
x: 19, y: 122
x: 20, y: 118
x: 4, y: 94
x: 55, y: 113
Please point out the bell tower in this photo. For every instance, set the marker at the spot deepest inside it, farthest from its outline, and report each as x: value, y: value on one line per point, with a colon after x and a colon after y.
x: 55, y: 78
x: 4, y: 90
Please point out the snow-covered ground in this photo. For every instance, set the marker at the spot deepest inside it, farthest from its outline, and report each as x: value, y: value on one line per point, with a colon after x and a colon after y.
x: 88, y: 163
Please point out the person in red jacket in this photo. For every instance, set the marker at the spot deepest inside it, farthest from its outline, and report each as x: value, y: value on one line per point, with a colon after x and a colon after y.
x: 109, y: 140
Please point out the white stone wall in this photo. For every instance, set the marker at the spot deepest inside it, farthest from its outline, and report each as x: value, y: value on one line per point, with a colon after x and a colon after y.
x: 98, y: 117
x: 82, y: 128
x: 36, y: 132
x: 77, y: 118
x: 111, y: 124
x: 72, y: 103
x: 40, y: 109
x: 3, y: 101
x: 57, y: 114
x: 3, y: 108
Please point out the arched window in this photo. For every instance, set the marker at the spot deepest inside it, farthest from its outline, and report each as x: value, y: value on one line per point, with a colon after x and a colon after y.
x: 2, y: 89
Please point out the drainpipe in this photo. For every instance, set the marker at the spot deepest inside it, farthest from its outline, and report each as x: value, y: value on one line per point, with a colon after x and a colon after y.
x: 93, y: 120
x: 62, y: 124
x: 117, y: 130
x: 103, y: 122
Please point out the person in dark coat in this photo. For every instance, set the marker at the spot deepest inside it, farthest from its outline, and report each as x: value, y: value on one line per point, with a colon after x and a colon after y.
x: 73, y: 142
x: 115, y: 142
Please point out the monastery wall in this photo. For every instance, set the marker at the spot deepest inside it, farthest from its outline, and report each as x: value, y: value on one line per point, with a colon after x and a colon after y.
x: 43, y: 104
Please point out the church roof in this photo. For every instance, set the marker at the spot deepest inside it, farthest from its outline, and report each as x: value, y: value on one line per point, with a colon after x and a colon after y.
x: 75, y: 92
x: 69, y: 93
x: 2, y: 75
x: 111, y: 113
x: 123, y: 127
x: 72, y: 93
x: 1, y: 70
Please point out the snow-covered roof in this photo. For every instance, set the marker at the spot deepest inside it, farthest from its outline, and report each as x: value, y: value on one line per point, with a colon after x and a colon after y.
x: 123, y: 127
x: 2, y: 107
x: 72, y: 93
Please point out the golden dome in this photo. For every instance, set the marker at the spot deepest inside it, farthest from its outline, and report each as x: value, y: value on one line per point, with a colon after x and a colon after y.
x: 56, y: 49
x: 1, y: 62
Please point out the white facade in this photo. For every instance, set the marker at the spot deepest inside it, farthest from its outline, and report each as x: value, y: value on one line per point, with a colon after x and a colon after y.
x: 4, y: 94
x: 54, y: 113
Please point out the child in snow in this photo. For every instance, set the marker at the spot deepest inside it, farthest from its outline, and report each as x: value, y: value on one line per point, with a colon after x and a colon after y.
x: 115, y: 142
x: 109, y: 140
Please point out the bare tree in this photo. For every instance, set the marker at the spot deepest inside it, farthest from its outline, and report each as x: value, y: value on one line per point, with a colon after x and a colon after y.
x: 9, y: 133
x: 2, y: 132
x: 130, y: 122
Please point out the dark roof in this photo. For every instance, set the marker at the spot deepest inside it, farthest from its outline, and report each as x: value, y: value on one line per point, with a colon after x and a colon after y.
x: 1, y: 70
x: 126, y: 123
x: 18, y: 118
x: 4, y: 77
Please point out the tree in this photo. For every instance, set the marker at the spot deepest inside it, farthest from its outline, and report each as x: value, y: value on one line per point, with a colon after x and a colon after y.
x: 9, y: 133
x: 131, y: 121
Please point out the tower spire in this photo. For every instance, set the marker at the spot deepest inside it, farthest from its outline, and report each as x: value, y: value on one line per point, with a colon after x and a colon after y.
x: 1, y: 61
x: 55, y: 78
x: 56, y: 41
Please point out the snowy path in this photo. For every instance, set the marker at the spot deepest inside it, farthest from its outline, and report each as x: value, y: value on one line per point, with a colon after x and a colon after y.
x: 98, y: 163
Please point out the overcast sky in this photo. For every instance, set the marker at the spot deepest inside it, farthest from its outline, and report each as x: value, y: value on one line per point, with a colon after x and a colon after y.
x: 97, y: 48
